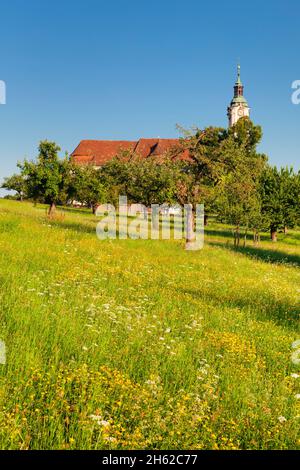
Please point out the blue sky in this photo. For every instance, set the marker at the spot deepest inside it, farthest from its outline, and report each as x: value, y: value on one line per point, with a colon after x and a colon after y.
x: 122, y: 69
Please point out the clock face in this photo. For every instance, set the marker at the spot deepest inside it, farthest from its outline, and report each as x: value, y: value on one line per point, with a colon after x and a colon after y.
x: 240, y: 112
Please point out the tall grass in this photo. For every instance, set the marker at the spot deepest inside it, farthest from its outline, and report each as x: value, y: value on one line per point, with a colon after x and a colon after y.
x: 139, y: 344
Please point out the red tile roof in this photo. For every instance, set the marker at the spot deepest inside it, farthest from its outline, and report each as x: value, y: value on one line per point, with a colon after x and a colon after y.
x: 163, y: 145
x: 145, y: 147
x: 98, y: 152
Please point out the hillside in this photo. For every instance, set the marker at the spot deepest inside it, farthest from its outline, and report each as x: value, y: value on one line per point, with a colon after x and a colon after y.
x: 127, y: 344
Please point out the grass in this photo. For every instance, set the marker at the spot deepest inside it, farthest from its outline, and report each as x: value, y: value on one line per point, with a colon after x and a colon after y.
x: 127, y: 344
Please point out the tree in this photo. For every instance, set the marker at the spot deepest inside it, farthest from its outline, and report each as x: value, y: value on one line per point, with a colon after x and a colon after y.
x: 290, y: 197
x: 151, y: 181
x: 205, y: 163
x: 246, y: 134
x: 280, y: 195
x: 86, y: 186
x: 237, y: 199
x: 226, y: 170
x: 145, y: 181
x: 46, y: 178
x: 16, y: 183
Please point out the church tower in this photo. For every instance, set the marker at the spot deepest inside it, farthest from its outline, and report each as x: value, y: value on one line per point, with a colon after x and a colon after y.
x: 238, y: 107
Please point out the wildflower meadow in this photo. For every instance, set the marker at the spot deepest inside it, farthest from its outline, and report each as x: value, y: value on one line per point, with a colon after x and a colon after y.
x: 140, y: 344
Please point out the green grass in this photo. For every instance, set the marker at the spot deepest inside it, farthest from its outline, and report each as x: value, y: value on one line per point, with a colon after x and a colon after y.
x: 140, y: 344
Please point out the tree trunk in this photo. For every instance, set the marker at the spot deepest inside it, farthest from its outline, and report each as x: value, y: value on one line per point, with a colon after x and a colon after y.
x: 256, y: 238
x: 245, y: 238
x: 155, y: 218
x: 274, y: 234
x: 189, y: 226
x: 51, y: 210
x: 285, y: 230
x: 237, y: 236
x: 94, y: 208
x: 205, y: 220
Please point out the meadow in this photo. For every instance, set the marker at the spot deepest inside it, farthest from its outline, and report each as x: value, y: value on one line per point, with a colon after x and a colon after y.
x: 139, y: 344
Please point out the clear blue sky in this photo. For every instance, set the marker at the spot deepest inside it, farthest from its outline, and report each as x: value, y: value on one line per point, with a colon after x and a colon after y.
x: 122, y: 69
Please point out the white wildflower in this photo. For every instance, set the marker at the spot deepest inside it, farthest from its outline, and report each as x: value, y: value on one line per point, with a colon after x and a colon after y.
x: 96, y: 418
x: 104, y: 423
x: 281, y: 419
x: 150, y: 382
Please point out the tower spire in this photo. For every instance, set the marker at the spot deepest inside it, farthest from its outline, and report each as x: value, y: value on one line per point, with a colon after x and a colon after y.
x: 239, y: 74
x: 238, y: 107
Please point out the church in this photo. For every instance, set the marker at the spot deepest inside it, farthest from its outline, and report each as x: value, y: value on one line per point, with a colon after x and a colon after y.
x: 98, y: 152
x: 238, y: 107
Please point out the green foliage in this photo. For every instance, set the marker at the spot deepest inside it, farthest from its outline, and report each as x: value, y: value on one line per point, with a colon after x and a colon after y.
x: 145, y: 181
x: 238, y: 200
x: 16, y: 183
x: 246, y: 134
x: 86, y: 186
x: 226, y: 168
x: 46, y: 178
x: 219, y: 168
x: 280, y: 194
